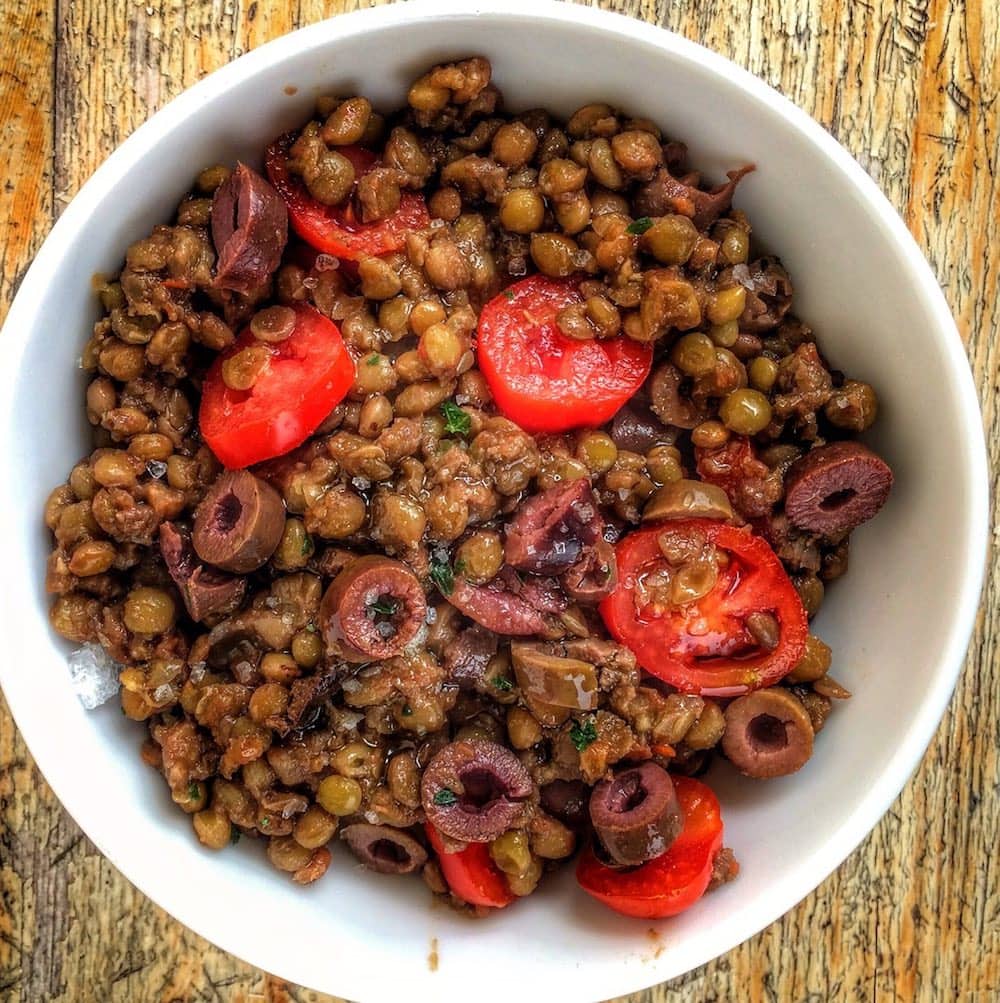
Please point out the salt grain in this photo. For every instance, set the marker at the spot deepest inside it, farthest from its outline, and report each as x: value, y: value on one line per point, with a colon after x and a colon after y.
x: 361, y: 483
x: 94, y: 675
x: 163, y: 694
x: 156, y: 468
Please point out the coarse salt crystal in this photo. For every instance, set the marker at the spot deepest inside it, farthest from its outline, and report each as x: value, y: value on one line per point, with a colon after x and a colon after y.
x: 361, y: 483
x: 156, y: 468
x: 198, y: 670
x: 94, y: 675
x: 163, y: 694
x: 432, y: 614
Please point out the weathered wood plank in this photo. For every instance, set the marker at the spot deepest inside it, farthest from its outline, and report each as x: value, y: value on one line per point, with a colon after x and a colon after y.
x: 911, y: 88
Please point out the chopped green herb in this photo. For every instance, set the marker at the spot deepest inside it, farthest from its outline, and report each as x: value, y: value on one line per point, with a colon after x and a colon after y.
x: 460, y: 567
x: 407, y: 710
x: 442, y: 575
x: 384, y: 606
x: 456, y: 421
x: 235, y: 837
x: 583, y: 735
x: 501, y: 683
x: 307, y: 547
x: 264, y: 822
x: 373, y: 359
x: 509, y: 295
x: 194, y: 792
x: 640, y: 225
x: 445, y: 797
x: 311, y: 627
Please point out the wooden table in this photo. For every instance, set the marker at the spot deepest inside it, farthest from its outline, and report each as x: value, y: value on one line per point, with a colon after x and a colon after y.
x: 912, y: 88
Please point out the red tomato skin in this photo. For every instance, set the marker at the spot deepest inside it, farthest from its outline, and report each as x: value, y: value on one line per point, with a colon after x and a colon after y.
x: 471, y: 873
x: 543, y: 380
x: 288, y: 403
x: 673, y: 881
x: 336, y: 230
x: 762, y: 584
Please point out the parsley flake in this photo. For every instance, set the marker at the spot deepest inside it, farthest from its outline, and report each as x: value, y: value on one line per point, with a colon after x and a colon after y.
x: 456, y: 421
x: 508, y: 295
x: 445, y: 797
x: 442, y: 575
x: 638, y: 226
x: 384, y: 606
x: 194, y: 792
x: 307, y: 546
x: 373, y: 359
x: 501, y: 683
x: 264, y: 822
x: 583, y: 735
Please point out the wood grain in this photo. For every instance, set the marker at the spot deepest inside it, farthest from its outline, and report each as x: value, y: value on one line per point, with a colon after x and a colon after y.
x: 911, y: 88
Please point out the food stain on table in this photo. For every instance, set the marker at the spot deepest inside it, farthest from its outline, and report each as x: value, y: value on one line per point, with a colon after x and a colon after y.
x: 432, y: 957
x: 658, y: 946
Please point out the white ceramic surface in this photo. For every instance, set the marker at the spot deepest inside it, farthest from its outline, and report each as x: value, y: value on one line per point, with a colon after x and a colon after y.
x: 899, y: 624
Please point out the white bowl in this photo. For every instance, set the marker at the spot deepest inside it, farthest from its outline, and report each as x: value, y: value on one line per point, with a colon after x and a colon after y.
x: 899, y: 624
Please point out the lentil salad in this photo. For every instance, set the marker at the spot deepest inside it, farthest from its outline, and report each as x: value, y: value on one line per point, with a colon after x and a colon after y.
x: 461, y: 489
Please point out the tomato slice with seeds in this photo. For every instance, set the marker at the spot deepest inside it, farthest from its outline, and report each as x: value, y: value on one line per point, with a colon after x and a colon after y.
x: 471, y: 873
x: 675, y: 880
x: 704, y: 646
x: 338, y: 230
x: 307, y: 376
x: 543, y: 380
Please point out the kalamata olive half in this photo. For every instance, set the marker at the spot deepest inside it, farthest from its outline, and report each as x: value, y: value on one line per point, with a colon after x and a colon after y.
x: 835, y: 488
x: 372, y: 609
x: 550, y: 530
x: 384, y: 849
x: 474, y: 791
x: 249, y: 230
x: 667, y: 402
x: 636, y: 815
x: 567, y: 801
x: 239, y: 522
x: 206, y: 591
x: 768, y: 733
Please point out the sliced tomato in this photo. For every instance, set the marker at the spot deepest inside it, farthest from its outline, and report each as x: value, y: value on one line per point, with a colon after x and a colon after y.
x: 673, y: 881
x: 307, y: 375
x: 471, y: 873
x: 543, y: 380
x: 704, y: 646
x: 337, y: 230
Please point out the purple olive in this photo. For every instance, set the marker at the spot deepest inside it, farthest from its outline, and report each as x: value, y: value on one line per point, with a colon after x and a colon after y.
x: 206, y: 591
x: 239, y: 522
x: 384, y: 849
x: 768, y: 733
x: 550, y: 530
x: 636, y: 814
x: 669, y: 404
x: 567, y: 800
x: 835, y: 488
x: 249, y: 230
x: 372, y: 610
x: 474, y: 791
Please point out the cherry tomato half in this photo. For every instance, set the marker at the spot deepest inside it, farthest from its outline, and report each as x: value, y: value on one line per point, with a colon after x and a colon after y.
x: 670, y: 883
x: 307, y: 375
x: 704, y: 646
x: 337, y: 230
x: 543, y: 380
x: 471, y: 873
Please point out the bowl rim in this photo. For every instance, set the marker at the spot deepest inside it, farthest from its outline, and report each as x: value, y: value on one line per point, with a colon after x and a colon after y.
x: 837, y: 844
